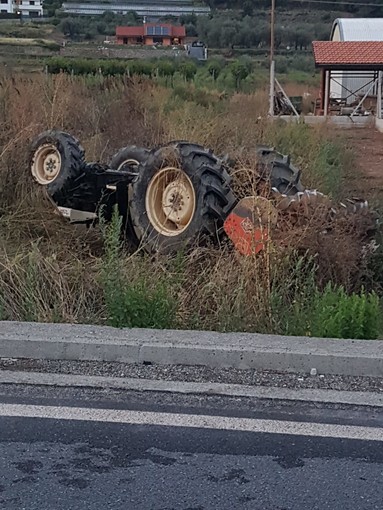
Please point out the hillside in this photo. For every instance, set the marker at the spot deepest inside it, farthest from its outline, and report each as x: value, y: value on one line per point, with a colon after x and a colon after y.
x: 360, y: 7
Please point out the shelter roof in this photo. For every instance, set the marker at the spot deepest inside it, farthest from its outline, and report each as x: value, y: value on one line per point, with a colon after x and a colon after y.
x: 355, y: 55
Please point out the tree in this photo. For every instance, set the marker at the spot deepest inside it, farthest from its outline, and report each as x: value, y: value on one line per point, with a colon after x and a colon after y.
x: 71, y: 27
x: 240, y: 71
x: 228, y: 35
x: 187, y: 19
x: 166, y: 69
x: 191, y: 30
x: 101, y: 27
x: 248, y: 8
x: 108, y: 16
x: 214, y: 68
x: 188, y: 70
x: 302, y: 39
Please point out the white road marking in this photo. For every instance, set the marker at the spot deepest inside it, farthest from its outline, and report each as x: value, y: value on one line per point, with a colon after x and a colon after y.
x: 193, y: 421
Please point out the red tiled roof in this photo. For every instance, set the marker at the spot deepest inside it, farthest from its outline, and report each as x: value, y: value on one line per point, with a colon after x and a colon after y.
x: 348, y: 53
x: 130, y: 31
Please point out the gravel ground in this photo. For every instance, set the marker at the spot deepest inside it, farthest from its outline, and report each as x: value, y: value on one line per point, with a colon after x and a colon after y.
x: 197, y: 374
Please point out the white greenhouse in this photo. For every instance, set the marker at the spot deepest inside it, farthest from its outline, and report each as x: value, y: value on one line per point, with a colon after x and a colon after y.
x: 349, y: 85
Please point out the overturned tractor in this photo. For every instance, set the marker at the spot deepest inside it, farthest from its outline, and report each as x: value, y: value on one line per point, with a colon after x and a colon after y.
x: 180, y: 193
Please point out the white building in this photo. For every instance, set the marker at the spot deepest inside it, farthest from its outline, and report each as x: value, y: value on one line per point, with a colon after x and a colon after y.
x: 6, y: 6
x: 29, y: 8
x: 347, y: 84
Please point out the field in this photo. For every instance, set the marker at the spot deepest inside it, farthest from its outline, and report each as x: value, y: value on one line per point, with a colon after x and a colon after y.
x: 51, y: 271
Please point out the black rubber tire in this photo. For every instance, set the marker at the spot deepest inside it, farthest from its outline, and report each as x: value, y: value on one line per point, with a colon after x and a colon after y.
x: 72, y: 164
x: 140, y: 154
x: 278, y: 170
x: 211, y: 183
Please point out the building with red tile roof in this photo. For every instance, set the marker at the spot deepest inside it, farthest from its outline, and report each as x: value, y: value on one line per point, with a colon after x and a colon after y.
x: 358, y: 62
x: 151, y: 33
x: 367, y: 55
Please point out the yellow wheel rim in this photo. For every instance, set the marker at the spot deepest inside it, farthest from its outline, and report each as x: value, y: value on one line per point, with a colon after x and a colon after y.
x: 46, y: 164
x: 170, y: 201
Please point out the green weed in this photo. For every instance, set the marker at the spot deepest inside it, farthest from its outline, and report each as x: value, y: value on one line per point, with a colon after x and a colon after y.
x: 133, y: 299
x: 338, y: 315
x: 31, y: 288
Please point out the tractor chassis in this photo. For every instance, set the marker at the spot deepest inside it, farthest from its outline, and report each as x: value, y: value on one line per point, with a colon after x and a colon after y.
x: 111, y: 185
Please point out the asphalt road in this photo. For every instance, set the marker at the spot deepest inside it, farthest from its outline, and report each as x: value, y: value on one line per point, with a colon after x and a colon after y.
x: 69, y: 449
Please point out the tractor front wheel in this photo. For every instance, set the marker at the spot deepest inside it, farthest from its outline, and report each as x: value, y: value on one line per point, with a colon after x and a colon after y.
x: 57, y: 163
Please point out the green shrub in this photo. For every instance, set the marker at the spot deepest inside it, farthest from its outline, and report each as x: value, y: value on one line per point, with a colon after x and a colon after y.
x: 338, y: 315
x: 299, y: 308
x: 135, y: 300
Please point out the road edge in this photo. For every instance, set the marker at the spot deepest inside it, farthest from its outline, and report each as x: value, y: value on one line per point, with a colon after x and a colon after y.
x: 165, y: 347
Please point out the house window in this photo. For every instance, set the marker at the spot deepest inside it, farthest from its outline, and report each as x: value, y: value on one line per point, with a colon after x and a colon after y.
x: 4, y: 2
x: 4, y: 11
x: 31, y: 2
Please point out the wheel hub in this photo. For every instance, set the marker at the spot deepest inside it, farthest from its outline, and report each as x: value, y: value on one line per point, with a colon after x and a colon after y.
x: 170, y: 201
x: 46, y: 164
x: 51, y: 164
x: 176, y: 203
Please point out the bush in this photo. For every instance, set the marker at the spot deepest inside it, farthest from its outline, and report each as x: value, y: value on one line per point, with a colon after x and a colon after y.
x: 304, y: 310
x: 82, y: 66
x: 134, y: 301
x: 338, y: 315
x: 188, y: 69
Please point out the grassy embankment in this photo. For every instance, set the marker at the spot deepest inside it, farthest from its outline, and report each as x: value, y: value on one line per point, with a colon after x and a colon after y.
x: 50, y: 271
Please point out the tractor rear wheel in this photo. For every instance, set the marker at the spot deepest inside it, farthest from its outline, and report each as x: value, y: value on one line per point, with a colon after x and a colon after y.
x: 182, y: 192
x: 57, y: 163
x: 278, y: 170
x: 128, y: 159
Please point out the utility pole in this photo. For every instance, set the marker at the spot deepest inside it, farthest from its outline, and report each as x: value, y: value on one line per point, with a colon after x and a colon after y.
x: 272, y: 63
x: 272, y: 31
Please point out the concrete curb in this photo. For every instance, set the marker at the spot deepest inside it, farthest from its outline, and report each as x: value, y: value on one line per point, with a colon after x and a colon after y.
x: 237, y: 350
x: 358, y: 398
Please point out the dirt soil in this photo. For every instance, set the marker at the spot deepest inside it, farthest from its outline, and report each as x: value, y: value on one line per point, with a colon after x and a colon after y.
x: 367, y: 145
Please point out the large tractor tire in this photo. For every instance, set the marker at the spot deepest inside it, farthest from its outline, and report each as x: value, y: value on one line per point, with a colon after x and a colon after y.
x: 128, y: 159
x: 182, y: 192
x: 57, y: 163
x: 278, y: 170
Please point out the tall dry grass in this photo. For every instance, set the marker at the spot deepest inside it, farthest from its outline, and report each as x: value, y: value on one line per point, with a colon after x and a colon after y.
x: 50, y: 271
